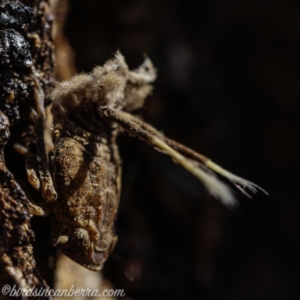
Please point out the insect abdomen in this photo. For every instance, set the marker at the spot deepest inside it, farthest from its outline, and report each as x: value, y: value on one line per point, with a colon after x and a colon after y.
x: 87, y: 180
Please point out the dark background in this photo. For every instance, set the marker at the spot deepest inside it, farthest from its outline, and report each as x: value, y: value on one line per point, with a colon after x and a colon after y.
x: 228, y: 87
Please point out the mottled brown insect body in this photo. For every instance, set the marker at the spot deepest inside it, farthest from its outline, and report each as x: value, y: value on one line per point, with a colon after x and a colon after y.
x: 87, y: 172
x: 86, y: 160
x: 88, y: 113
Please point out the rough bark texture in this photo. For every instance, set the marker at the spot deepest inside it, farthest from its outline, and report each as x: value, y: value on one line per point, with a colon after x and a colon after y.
x: 26, y: 64
x: 17, y: 262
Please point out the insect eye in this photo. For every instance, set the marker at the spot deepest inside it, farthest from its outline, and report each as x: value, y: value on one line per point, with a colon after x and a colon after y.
x: 80, y: 239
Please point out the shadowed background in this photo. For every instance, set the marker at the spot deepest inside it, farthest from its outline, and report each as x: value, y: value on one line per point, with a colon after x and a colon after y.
x: 228, y: 87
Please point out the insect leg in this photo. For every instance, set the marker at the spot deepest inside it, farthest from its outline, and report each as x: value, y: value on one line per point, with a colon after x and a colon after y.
x: 212, y: 183
x: 48, y: 191
x: 241, y: 183
x: 30, y: 160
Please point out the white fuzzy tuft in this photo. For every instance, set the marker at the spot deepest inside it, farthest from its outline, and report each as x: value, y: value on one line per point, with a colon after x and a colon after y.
x: 112, y: 84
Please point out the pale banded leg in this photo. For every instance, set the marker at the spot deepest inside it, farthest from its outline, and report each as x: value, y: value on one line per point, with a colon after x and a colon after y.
x: 212, y: 183
x: 188, y: 158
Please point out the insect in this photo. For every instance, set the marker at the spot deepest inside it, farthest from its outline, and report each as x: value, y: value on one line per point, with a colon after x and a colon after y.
x: 89, y: 111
